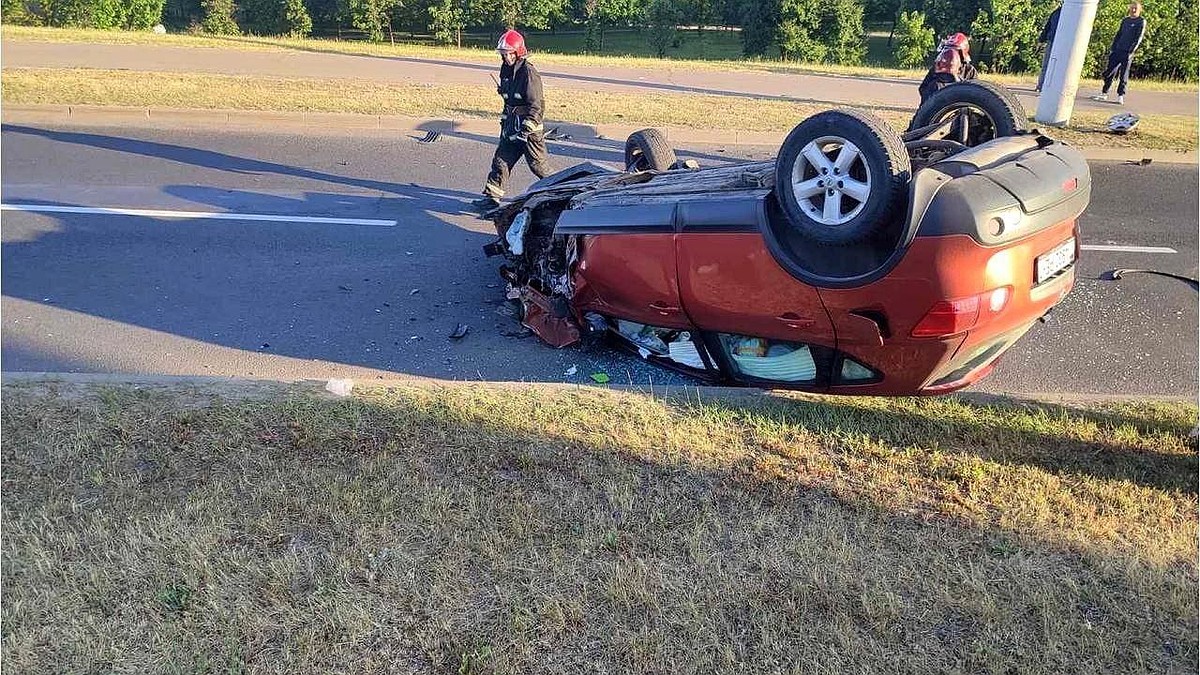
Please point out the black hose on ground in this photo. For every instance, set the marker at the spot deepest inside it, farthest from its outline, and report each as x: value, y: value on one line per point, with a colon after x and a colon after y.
x: 1114, y: 275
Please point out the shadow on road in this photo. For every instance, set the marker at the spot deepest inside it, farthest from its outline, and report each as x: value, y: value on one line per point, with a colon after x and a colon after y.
x: 583, y: 145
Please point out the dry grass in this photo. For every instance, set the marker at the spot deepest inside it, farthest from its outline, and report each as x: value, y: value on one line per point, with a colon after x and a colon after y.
x: 479, y: 530
x: 191, y: 90
x: 32, y: 34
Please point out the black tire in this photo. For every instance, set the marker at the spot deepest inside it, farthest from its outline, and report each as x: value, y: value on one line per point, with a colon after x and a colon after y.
x: 648, y: 150
x: 881, y: 165
x: 992, y: 112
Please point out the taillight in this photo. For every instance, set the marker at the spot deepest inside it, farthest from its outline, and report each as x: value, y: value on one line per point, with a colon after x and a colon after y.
x: 951, y: 317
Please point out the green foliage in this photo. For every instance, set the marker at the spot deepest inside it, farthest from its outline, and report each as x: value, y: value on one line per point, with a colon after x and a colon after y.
x: 914, y: 40
x: 841, y: 32
x: 21, y: 12
x: 104, y: 14
x: 598, y: 15
x: 446, y: 21
x: 218, y: 17
x: 760, y: 21
x: 143, y: 14
x: 952, y: 16
x: 537, y: 14
x: 660, y: 23
x: 296, y: 20
x: 1006, y: 31
x: 1172, y: 51
x: 372, y: 16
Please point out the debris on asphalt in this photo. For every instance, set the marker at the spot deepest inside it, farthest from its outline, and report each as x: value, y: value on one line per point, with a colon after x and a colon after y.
x: 339, y: 387
x: 600, y: 378
x: 414, y: 338
x: 508, y: 309
x: 345, y: 288
x: 266, y: 345
x: 517, y: 331
x: 460, y: 331
x: 571, y: 371
x: 414, y: 291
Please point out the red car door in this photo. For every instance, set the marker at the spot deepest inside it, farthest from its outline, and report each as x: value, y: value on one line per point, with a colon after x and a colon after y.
x: 627, y: 266
x: 730, y: 283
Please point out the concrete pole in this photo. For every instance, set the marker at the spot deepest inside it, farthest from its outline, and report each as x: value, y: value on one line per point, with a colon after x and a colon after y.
x: 1066, y: 62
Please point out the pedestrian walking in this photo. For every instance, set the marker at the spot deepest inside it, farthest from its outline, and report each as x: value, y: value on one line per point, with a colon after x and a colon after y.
x: 1046, y: 40
x: 521, y: 131
x: 1120, y: 56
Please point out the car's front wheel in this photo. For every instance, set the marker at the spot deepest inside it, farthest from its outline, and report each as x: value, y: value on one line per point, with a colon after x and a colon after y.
x: 841, y: 176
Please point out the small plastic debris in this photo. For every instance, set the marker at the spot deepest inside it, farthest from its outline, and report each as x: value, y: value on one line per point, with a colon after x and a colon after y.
x: 414, y: 338
x: 414, y: 291
x: 339, y: 387
x: 460, y: 331
x: 266, y: 345
x: 408, y: 253
x: 345, y: 288
x: 683, y: 350
x: 600, y: 378
x: 571, y: 371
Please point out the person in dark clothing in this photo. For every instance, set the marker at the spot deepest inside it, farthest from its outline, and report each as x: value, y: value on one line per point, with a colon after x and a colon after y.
x: 521, y: 131
x: 1120, y: 56
x: 953, y: 64
x: 1046, y: 39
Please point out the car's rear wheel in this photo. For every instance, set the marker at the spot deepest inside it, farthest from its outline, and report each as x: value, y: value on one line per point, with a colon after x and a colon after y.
x: 648, y: 150
x: 841, y: 176
x: 978, y: 111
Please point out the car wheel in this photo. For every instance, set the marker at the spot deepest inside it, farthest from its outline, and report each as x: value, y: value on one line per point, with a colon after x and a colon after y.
x: 648, y: 150
x: 841, y: 176
x: 981, y: 112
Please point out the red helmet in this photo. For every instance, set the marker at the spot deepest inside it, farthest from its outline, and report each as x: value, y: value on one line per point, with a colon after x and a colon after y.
x: 957, y: 41
x: 512, y: 41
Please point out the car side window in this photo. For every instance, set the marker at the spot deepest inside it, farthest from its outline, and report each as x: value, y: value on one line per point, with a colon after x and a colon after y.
x: 768, y: 359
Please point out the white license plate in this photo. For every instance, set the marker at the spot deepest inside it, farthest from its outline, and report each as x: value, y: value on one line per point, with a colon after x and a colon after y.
x: 1056, y: 260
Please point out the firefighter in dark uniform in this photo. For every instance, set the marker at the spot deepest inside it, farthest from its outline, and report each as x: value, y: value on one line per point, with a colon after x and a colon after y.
x: 953, y: 64
x: 521, y: 131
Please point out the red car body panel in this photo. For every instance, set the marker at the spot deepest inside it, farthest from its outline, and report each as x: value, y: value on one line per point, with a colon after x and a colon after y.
x: 731, y: 283
x: 934, y: 269
x: 631, y: 276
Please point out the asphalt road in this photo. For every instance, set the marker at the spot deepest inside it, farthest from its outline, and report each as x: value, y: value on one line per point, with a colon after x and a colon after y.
x: 899, y: 93
x: 292, y: 299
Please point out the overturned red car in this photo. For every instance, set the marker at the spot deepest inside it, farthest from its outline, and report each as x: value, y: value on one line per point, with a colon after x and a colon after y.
x: 860, y: 261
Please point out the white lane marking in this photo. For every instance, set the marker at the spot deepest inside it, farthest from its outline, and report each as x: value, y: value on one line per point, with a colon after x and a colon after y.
x: 195, y: 215
x: 1127, y: 249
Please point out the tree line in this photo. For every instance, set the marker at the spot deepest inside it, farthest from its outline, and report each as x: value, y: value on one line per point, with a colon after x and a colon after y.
x: 1004, y: 33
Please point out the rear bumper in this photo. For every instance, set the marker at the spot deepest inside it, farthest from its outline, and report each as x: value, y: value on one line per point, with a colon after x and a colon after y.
x: 960, y: 268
